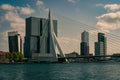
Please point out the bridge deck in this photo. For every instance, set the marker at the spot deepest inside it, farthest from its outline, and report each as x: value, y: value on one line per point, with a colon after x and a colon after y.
x: 87, y: 57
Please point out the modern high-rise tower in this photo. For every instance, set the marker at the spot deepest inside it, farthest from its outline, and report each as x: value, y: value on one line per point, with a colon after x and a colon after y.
x: 101, y: 46
x: 15, y: 42
x: 84, y: 43
x: 35, y: 29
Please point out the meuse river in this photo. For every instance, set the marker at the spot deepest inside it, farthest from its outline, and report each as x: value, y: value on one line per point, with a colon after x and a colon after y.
x: 70, y: 71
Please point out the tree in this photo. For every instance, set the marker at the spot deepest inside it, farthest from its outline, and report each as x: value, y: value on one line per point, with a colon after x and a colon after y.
x: 15, y: 56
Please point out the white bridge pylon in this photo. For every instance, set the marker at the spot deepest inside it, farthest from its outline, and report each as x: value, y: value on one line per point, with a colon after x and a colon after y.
x: 53, y: 39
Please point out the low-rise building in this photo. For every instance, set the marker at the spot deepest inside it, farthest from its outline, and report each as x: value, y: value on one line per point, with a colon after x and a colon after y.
x: 72, y: 54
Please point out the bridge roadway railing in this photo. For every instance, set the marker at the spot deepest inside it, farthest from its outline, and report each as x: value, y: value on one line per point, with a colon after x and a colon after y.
x: 86, y: 57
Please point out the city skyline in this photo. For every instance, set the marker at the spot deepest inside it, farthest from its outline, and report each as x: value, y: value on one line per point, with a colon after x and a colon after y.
x: 93, y: 13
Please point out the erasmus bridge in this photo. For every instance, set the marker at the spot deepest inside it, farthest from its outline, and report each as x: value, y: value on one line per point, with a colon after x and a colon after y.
x: 54, y: 46
x: 52, y: 38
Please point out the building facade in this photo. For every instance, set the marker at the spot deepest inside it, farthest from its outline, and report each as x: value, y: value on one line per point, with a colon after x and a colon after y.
x: 37, y: 39
x: 84, y: 44
x: 101, y: 46
x: 15, y: 42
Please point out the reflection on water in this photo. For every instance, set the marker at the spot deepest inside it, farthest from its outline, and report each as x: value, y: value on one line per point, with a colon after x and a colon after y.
x: 71, y: 71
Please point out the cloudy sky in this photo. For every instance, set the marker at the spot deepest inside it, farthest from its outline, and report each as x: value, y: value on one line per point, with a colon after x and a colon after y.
x: 74, y: 16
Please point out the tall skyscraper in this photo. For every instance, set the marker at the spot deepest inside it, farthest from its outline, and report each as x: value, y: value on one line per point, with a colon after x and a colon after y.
x: 84, y: 43
x: 38, y: 35
x: 15, y: 42
x: 101, y: 46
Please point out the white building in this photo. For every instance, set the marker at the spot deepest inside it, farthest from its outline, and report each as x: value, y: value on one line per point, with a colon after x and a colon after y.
x: 15, y: 42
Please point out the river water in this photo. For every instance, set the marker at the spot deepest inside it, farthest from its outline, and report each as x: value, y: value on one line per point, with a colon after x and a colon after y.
x: 70, y: 71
